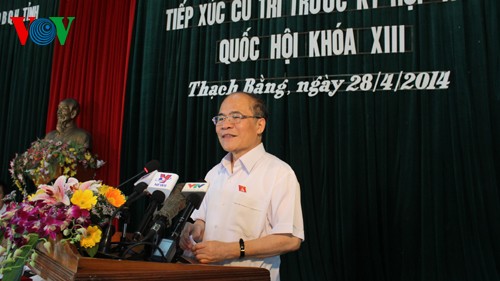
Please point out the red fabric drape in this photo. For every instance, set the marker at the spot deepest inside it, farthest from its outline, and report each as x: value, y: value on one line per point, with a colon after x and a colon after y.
x: 92, y: 68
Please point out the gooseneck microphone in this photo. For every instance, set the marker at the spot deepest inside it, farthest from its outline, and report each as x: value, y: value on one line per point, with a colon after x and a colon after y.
x: 156, y: 199
x: 173, y: 205
x: 194, y: 193
x: 163, y: 218
x: 148, y: 168
x: 139, y: 192
x: 194, y: 201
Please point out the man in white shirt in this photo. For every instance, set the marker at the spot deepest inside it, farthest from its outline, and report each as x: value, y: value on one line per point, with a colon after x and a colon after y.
x: 251, y: 213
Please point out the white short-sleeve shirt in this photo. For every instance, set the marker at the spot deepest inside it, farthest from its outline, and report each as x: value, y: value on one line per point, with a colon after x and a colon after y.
x: 261, y: 197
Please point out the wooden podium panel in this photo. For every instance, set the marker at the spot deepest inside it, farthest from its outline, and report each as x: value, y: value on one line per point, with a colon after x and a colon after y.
x: 67, y: 265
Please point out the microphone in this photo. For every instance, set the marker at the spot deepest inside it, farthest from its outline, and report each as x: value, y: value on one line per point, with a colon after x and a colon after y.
x: 163, y: 217
x: 194, y: 193
x: 148, y: 168
x: 138, y: 193
x: 194, y: 201
x: 156, y: 199
x: 172, y: 206
x: 199, y: 188
x: 175, y: 203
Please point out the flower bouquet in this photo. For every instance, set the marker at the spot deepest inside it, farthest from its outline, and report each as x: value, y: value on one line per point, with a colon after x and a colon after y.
x: 47, y: 159
x: 68, y: 211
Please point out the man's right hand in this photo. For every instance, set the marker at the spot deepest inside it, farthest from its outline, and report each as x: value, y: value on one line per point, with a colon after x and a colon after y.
x: 191, y: 232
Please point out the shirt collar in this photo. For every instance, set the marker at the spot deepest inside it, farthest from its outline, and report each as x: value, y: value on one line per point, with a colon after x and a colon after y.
x: 247, y: 161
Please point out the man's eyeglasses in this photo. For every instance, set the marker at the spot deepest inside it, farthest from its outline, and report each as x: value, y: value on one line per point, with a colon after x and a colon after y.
x: 234, y: 118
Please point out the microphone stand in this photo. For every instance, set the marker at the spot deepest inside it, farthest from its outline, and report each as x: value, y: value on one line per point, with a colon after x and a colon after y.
x: 106, y: 242
x: 105, y: 245
x: 126, y: 220
x: 150, y: 166
x: 130, y: 179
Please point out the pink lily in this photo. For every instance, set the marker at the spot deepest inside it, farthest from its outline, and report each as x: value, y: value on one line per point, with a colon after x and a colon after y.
x: 71, y: 184
x: 53, y: 194
x: 91, y: 184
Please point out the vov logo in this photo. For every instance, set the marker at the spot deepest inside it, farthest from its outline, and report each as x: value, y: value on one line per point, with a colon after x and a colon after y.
x: 42, y: 31
x: 164, y: 178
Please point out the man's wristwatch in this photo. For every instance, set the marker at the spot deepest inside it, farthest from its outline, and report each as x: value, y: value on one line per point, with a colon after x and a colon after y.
x: 242, y: 248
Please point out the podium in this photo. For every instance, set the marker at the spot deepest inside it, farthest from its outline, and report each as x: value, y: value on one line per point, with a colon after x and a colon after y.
x: 63, y: 263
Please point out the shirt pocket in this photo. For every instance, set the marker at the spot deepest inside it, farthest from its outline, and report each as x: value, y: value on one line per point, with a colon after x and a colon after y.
x: 250, y: 214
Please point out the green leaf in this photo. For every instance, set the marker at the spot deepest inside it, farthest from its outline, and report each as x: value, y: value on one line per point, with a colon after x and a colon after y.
x: 92, y: 251
x: 12, y: 270
x: 33, y: 239
x: 13, y: 274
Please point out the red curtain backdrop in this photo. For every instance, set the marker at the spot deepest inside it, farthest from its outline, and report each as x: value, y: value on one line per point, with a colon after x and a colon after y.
x: 92, y: 68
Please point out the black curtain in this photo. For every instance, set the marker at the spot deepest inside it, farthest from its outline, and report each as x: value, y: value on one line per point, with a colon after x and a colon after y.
x: 24, y: 82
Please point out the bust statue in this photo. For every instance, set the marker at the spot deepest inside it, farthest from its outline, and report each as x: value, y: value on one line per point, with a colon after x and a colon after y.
x: 66, y: 129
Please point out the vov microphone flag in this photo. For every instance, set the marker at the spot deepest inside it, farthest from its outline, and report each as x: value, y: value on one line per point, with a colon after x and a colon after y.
x: 162, y: 181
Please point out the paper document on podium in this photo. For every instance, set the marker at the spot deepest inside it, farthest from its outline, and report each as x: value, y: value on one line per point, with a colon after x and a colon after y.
x: 188, y: 256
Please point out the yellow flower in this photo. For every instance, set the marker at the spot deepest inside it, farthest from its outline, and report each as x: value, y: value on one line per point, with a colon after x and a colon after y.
x: 68, y: 160
x: 84, y: 199
x: 91, y: 237
x: 87, y: 156
x: 103, y: 189
x: 66, y: 170
x: 115, y: 197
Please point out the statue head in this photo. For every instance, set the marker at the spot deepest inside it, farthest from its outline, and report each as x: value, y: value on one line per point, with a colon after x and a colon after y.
x: 67, y: 111
x: 66, y: 128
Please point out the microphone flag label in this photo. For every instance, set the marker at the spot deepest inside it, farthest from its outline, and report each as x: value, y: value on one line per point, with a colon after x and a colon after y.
x: 164, y: 178
x: 195, y: 187
x: 164, y: 182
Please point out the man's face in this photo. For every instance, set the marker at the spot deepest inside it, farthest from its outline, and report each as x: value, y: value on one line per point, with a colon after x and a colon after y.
x: 242, y: 137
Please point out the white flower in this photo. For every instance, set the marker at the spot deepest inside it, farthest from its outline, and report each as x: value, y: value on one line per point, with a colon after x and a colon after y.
x: 100, y: 163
